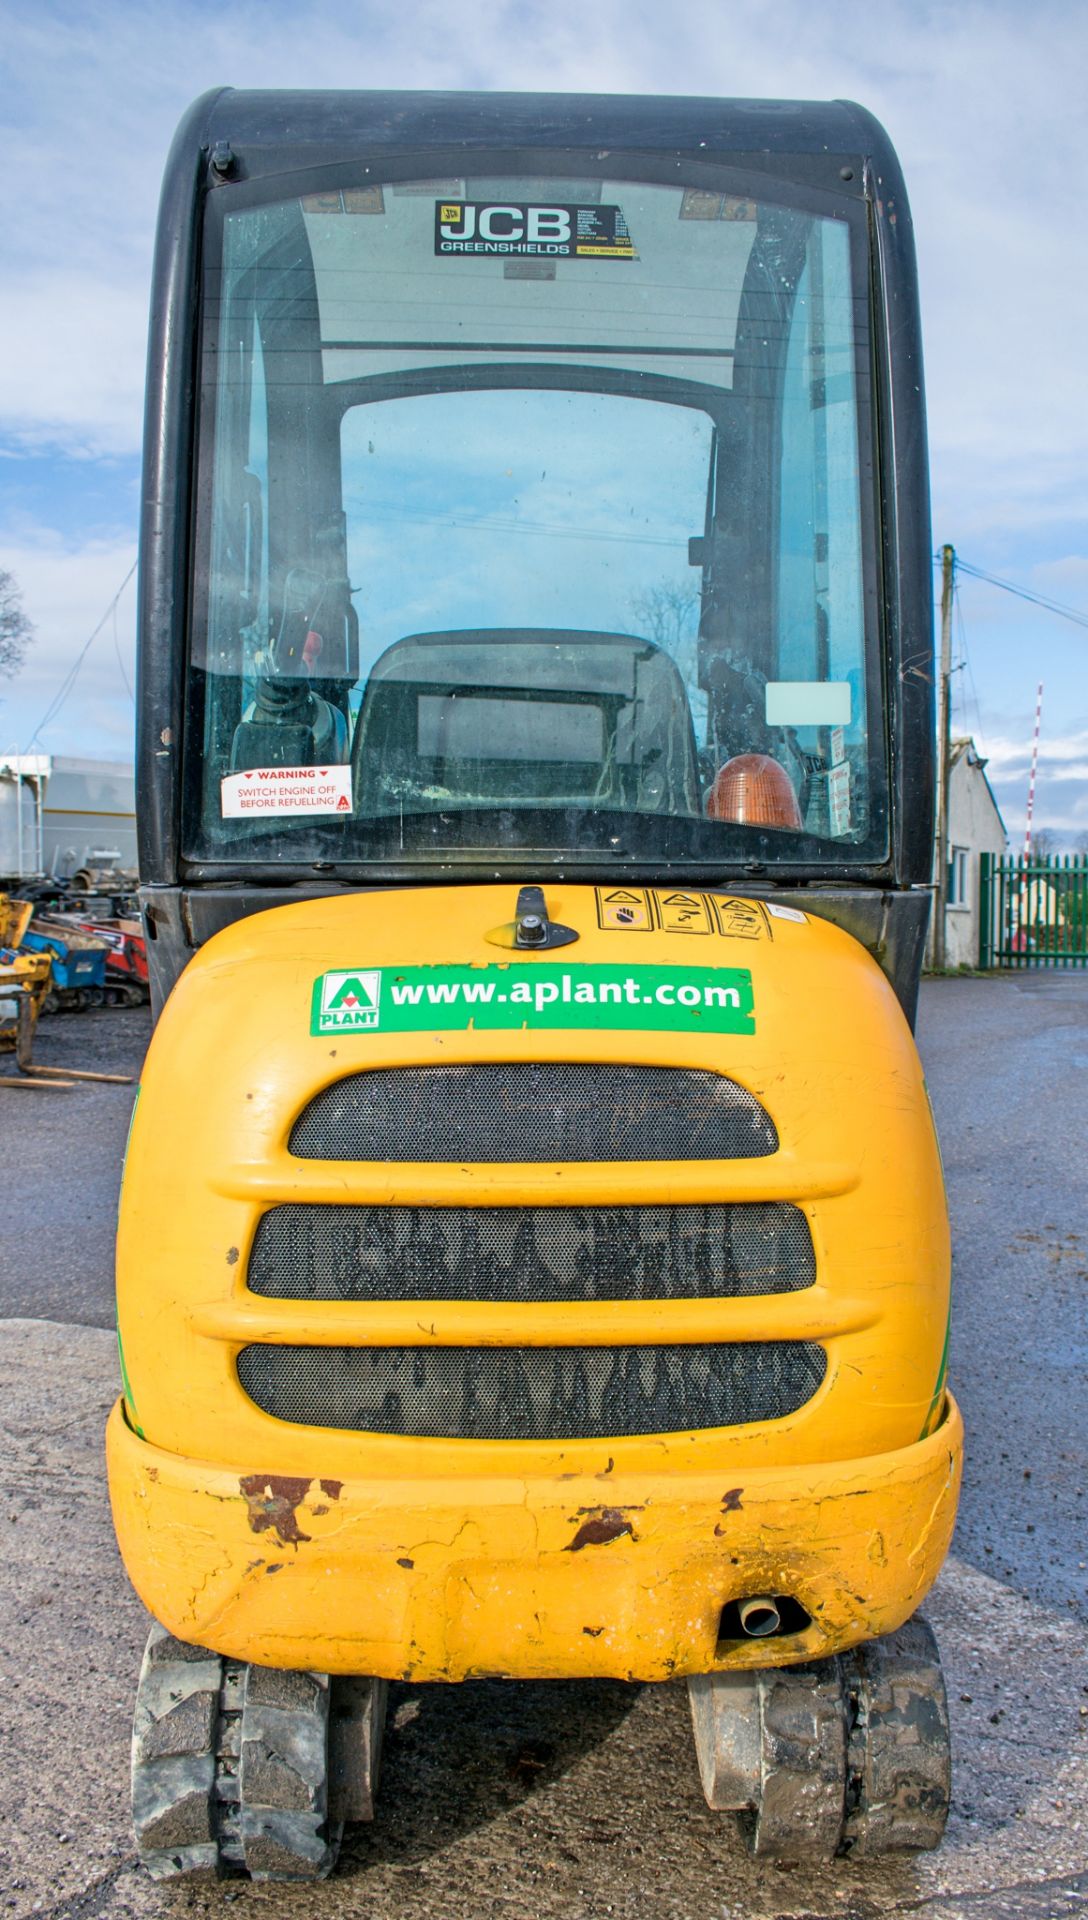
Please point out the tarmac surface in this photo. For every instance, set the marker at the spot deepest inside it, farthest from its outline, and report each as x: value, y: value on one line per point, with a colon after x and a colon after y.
x: 582, y: 1800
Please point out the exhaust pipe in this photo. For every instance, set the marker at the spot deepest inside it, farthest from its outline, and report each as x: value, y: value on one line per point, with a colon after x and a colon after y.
x: 759, y: 1616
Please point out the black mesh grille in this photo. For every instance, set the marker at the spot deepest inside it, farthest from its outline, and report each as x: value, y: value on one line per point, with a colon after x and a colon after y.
x: 527, y: 1111
x: 532, y: 1393
x: 305, y: 1252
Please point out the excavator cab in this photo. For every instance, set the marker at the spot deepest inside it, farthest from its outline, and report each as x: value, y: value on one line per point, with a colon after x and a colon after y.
x: 532, y: 1255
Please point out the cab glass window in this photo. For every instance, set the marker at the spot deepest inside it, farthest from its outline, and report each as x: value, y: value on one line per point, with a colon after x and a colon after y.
x: 535, y: 513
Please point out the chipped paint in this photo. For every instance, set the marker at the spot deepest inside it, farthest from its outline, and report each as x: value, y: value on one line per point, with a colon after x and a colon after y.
x: 272, y: 1500
x: 603, y: 1525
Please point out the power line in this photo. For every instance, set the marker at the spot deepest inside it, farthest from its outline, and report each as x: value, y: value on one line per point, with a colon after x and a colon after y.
x: 72, y: 674
x: 1078, y: 618
x: 120, y: 661
x: 961, y: 624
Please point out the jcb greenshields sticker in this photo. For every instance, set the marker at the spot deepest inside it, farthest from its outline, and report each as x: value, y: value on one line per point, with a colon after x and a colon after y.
x: 426, y: 999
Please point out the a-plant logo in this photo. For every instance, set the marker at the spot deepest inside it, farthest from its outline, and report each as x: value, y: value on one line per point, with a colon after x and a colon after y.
x: 349, y: 1002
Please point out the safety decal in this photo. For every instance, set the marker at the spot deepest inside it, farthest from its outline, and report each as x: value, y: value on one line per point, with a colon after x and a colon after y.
x: 649, y: 909
x: 554, y: 233
x: 685, y: 912
x: 743, y: 919
x: 624, y: 909
x: 454, y: 998
x: 270, y: 790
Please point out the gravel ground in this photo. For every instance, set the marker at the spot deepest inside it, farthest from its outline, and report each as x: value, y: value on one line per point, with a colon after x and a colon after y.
x: 62, y: 1156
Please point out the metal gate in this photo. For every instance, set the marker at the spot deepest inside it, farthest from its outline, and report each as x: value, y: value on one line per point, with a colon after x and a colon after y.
x: 1033, y: 912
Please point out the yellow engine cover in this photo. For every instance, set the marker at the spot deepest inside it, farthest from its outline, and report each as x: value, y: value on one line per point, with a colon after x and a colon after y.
x: 437, y: 1557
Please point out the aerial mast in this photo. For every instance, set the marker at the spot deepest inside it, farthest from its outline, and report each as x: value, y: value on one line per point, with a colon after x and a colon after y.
x: 1034, y: 770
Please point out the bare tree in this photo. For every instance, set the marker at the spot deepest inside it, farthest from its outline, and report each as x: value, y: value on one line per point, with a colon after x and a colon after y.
x: 670, y: 615
x: 16, y: 629
x: 1080, y: 844
x: 1044, y: 843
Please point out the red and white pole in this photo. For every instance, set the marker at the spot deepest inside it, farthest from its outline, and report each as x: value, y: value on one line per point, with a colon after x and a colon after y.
x: 1034, y: 770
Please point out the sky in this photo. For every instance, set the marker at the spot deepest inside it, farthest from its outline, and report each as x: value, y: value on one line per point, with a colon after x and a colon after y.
x: 984, y: 103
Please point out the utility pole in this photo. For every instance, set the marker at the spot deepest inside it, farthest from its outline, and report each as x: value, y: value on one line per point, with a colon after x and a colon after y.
x: 944, y: 755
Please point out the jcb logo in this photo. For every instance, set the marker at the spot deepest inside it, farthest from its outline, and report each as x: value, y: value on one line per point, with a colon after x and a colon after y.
x: 536, y: 225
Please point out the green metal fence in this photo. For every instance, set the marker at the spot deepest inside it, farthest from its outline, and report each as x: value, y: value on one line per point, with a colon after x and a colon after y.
x: 1033, y: 913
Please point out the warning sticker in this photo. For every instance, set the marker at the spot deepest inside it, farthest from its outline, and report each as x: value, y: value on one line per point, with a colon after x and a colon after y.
x: 779, y: 912
x: 556, y: 233
x: 455, y: 998
x: 268, y: 790
x: 743, y: 919
x: 626, y: 909
x: 684, y: 913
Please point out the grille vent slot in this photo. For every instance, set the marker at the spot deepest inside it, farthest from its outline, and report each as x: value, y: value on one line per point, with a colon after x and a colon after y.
x: 532, y: 1393
x: 555, y: 1110
x: 689, y: 1252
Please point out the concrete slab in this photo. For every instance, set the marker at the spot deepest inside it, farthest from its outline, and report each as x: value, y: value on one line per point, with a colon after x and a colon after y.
x: 512, y: 1801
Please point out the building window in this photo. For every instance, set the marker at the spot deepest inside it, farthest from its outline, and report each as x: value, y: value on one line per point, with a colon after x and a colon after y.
x: 957, y: 878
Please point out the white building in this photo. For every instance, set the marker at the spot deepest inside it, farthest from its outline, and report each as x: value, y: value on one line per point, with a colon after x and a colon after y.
x: 58, y: 814
x: 975, y: 827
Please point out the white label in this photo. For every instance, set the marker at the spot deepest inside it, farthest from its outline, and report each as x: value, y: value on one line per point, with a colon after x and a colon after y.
x: 808, y: 703
x: 268, y: 790
x: 838, y: 794
x: 783, y: 913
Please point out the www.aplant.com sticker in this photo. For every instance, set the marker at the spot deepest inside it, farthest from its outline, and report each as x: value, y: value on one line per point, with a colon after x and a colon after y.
x: 427, y: 999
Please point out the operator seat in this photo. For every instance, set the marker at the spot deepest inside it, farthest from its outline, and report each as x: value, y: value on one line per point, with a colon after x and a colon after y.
x: 515, y: 716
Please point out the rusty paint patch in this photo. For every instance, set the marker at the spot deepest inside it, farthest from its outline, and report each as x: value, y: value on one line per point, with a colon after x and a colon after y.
x: 316, y: 1511
x: 406, y: 1562
x: 333, y: 1488
x: 232, y: 1256
x: 603, y: 1525
x: 731, y: 1501
x: 274, y: 1566
x: 272, y: 1499
x: 152, y: 1473
x: 593, y: 1632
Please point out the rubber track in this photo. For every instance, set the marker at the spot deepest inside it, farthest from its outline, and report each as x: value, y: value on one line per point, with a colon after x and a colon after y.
x: 229, y: 1767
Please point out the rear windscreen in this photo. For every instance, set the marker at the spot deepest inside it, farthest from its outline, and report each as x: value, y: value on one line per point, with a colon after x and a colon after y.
x: 535, y: 512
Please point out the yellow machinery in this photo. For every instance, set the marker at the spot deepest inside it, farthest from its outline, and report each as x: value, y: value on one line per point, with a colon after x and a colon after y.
x: 26, y: 980
x: 533, y: 1258
x: 24, y: 977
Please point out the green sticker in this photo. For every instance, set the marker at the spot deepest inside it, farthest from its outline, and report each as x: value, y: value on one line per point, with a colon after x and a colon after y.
x: 425, y: 999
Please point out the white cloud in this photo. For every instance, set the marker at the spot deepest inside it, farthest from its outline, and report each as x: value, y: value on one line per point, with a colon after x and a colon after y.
x: 60, y: 583
x: 72, y: 362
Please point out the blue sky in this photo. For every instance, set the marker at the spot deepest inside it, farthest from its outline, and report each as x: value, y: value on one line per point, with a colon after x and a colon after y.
x: 985, y: 104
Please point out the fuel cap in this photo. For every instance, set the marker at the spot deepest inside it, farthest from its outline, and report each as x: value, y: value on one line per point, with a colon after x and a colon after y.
x: 531, y: 930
